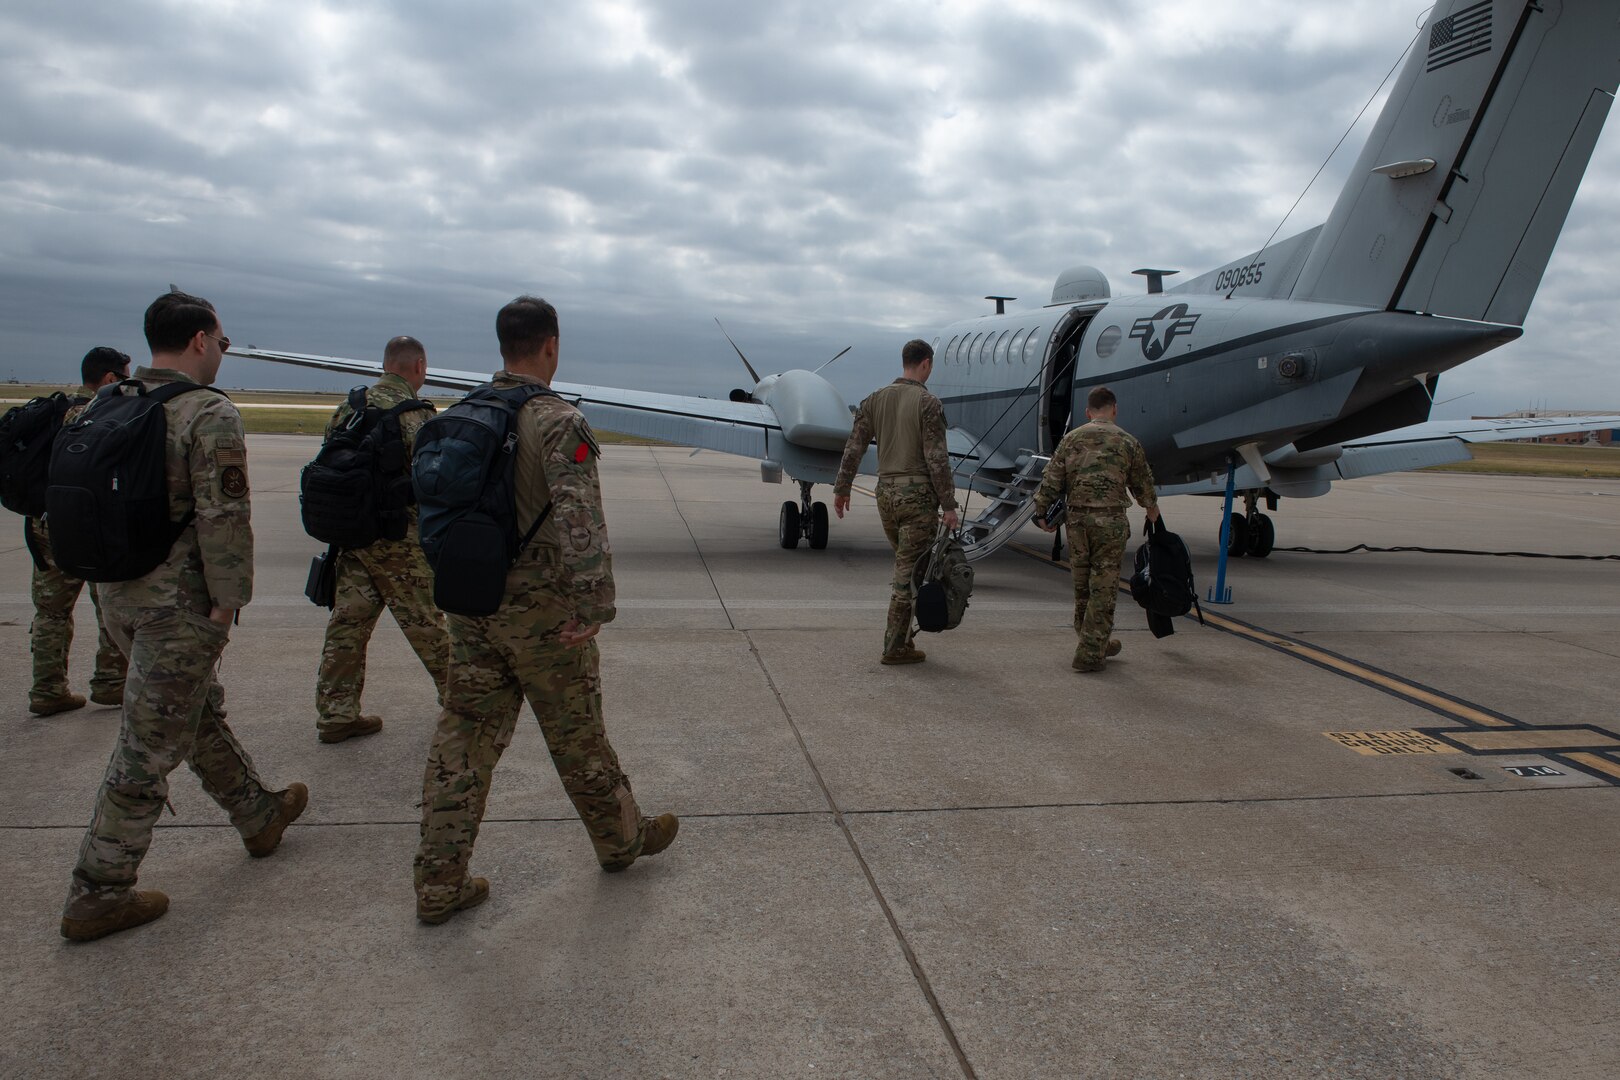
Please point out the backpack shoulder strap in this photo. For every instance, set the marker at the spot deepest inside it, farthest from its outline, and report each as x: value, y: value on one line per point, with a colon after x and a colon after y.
x: 516, y: 397
x: 410, y: 405
x: 170, y: 391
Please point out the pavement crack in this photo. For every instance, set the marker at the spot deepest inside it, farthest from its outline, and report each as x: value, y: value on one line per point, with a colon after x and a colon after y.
x: 912, y: 961
x: 697, y: 547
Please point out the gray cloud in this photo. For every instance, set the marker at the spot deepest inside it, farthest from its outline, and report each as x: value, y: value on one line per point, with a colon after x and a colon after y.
x: 814, y: 174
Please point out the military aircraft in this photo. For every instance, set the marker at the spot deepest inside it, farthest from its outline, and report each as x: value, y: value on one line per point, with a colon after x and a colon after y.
x: 1311, y: 360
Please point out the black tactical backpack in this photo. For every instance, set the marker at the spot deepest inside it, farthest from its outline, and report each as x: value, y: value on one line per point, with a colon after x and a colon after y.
x: 26, y: 434
x: 108, y: 500
x: 1163, y: 581
x: 942, y: 582
x: 467, y: 498
x: 357, y: 489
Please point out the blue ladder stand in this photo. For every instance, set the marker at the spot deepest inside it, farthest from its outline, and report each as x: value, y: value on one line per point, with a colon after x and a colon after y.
x: 1221, y: 593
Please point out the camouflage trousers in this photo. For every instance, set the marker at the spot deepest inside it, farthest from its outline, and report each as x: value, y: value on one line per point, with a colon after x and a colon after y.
x: 495, y: 663
x: 173, y: 712
x: 50, y: 636
x: 909, y: 510
x: 1096, y: 547
x: 394, y: 574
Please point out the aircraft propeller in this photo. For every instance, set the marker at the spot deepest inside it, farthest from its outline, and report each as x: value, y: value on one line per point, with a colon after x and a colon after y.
x: 752, y: 374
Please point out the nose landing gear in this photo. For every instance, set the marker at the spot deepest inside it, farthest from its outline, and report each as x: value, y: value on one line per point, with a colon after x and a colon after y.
x: 1252, y: 533
x: 803, y: 520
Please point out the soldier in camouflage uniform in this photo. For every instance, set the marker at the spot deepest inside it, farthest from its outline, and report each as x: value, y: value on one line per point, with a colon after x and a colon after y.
x: 391, y: 572
x: 914, y: 481
x: 539, y: 645
x: 1097, y: 467
x: 173, y: 624
x: 50, y: 635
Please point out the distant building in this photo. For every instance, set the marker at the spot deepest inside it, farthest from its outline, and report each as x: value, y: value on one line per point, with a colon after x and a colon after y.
x: 1595, y: 437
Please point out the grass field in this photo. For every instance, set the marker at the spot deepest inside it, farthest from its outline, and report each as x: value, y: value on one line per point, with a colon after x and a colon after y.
x: 280, y: 420
x: 1539, y: 459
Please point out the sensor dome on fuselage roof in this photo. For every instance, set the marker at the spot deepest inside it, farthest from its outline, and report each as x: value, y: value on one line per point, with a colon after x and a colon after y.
x: 1079, y: 283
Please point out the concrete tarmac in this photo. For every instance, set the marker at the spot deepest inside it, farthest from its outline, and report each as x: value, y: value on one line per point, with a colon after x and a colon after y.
x: 985, y: 865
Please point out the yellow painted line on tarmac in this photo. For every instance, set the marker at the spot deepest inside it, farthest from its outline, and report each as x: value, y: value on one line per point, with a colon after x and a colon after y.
x: 1434, y: 700
x: 1393, y: 683
x: 1532, y: 739
x: 1597, y: 762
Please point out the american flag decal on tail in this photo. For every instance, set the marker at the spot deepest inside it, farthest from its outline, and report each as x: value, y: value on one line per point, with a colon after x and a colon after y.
x: 1460, y: 35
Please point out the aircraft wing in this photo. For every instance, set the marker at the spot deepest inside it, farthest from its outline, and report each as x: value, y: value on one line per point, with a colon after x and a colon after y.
x: 1490, y: 429
x: 732, y: 427
x: 1435, y: 442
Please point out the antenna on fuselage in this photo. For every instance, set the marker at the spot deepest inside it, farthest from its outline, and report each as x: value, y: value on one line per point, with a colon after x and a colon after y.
x: 1155, y: 278
x: 1001, y: 303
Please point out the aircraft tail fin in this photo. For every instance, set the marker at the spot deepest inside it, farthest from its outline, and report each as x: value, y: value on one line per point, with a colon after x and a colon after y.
x: 1456, y: 201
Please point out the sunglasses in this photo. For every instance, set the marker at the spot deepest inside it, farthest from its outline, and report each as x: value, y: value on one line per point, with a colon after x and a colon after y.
x: 224, y: 342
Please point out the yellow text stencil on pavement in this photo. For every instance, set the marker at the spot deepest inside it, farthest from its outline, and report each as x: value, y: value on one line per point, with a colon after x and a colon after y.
x: 1390, y: 742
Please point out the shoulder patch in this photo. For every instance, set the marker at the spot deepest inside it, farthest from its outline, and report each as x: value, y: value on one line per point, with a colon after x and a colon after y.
x: 233, y: 482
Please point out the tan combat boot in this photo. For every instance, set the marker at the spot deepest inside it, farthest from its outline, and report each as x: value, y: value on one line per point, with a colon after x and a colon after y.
x: 137, y: 908
x: 108, y: 697
x: 908, y: 655
x: 658, y: 835
x: 1114, y: 646
x: 474, y: 891
x: 52, y: 706
x: 289, y: 805
x: 365, y: 725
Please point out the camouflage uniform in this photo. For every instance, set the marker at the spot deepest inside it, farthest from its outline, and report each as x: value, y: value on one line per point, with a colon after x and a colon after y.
x: 565, y: 573
x: 394, y: 573
x: 50, y: 635
x: 173, y: 705
x: 914, y: 484
x: 1097, y: 467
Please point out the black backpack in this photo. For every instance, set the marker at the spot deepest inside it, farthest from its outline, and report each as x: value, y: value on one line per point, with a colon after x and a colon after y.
x: 1163, y: 581
x: 357, y: 489
x: 467, y: 498
x: 108, y: 501
x: 942, y: 581
x: 26, y: 434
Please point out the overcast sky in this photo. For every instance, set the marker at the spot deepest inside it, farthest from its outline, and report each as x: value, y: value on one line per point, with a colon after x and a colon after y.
x: 814, y: 174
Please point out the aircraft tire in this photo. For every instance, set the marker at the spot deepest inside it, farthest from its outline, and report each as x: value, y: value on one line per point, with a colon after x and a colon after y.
x: 818, y: 526
x: 787, y: 526
x: 1262, y: 536
x: 1237, y: 540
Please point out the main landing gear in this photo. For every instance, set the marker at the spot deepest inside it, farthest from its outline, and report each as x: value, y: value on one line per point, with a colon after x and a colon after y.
x: 803, y: 520
x: 1252, y: 532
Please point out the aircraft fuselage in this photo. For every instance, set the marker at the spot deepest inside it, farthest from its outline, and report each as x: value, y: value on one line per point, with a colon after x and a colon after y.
x: 1197, y: 374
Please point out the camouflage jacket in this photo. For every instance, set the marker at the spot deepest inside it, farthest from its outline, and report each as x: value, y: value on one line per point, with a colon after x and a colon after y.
x: 385, y: 393
x: 1097, y: 466
x: 211, y: 564
x: 556, y: 464
x: 909, y: 425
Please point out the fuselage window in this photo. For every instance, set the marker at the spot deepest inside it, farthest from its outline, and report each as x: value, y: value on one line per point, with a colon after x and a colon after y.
x: 1001, y: 347
x: 969, y: 349
x: 1032, y: 346
x: 950, y: 351
x: 1015, y: 351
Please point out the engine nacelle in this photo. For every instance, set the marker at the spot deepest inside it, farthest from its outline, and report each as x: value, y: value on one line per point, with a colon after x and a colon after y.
x: 810, y: 409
